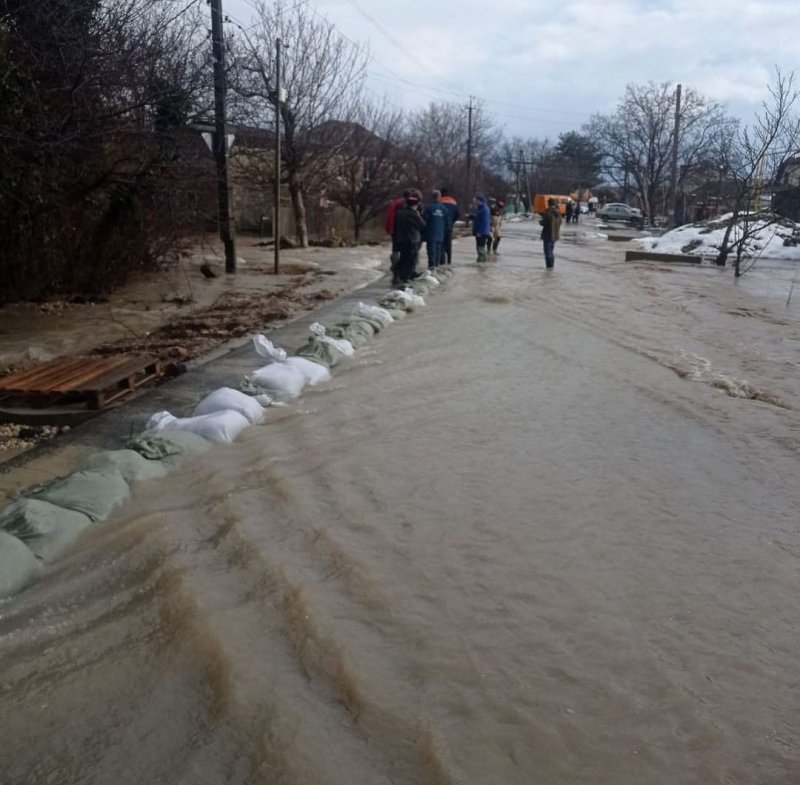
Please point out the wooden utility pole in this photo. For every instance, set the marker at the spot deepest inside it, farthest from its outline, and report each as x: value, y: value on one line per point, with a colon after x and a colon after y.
x: 224, y: 216
x: 277, y: 219
x: 518, y: 184
x: 673, y: 189
x: 470, y: 110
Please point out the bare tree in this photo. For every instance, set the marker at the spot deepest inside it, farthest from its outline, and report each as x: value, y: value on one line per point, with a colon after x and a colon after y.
x: 93, y: 92
x: 636, y: 140
x: 370, y: 168
x: 436, y: 143
x: 323, y: 77
x: 752, y: 156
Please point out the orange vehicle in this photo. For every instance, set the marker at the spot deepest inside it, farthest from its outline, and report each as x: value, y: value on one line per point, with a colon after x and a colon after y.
x: 540, y: 202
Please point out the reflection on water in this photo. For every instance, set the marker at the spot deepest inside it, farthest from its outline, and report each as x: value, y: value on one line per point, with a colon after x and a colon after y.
x: 514, y: 543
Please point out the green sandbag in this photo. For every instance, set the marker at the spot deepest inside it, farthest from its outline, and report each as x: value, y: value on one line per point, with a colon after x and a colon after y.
x: 18, y: 565
x: 169, y: 445
x: 94, y: 493
x: 320, y: 352
x: 357, y: 331
x: 393, y: 306
x: 130, y: 464
x: 376, y: 324
x: 46, y: 529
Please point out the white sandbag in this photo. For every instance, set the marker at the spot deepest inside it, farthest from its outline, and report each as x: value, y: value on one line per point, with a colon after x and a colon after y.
x: 313, y: 373
x: 226, y: 398
x: 374, y: 312
x: 129, y: 463
x: 404, y: 296
x: 340, y: 344
x: 218, y: 427
x: 45, y: 528
x: 429, y: 278
x: 266, y: 349
x: 281, y: 380
x: 18, y: 565
x: 93, y: 493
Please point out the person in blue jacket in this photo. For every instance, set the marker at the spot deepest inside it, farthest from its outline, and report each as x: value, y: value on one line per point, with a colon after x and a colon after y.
x: 482, y: 227
x: 437, y: 223
x: 448, y: 200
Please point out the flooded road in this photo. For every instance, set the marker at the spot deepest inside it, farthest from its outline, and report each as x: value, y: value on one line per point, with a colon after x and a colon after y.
x: 544, y: 530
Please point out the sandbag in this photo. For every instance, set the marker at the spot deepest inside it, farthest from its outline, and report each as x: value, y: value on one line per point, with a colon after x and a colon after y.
x: 18, y: 565
x: 322, y: 349
x: 218, y: 427
x: 341, y: 345
x: 279, y: 379
x: 93, y: 493
x: 357, y: 332
x: 169, y: 445
x: 129, y: 463
x: 45, y: 528
x: 374, y: 312
x: 314, y: 373
x: 228, y: 399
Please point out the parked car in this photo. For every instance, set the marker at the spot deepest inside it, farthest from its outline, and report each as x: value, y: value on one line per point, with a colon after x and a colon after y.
x: 616, y: 211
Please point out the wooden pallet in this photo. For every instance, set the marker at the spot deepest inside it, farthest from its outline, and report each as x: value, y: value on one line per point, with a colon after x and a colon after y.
x: 95, y: 381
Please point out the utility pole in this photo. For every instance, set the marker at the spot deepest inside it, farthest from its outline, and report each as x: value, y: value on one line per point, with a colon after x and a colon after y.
x: 224, y: 216
x: 470, y: 109
x: 277, y: 219
x: 673, y: 190
x: 518, y: 185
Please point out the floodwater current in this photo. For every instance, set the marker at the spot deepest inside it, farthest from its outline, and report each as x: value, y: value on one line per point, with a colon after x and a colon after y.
x: 545, y: 530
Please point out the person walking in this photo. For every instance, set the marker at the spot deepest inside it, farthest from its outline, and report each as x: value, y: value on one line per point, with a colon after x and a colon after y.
x: 498, y: 213
x: 408, y: 228
x: 452, y: 208
x: 437, y: 222
x: 568, y: 211
x: 576, y: 213
x: 551, y: 232
x: 482, y: 228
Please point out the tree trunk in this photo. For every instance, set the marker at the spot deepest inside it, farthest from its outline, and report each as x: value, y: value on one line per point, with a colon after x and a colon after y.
x: 724, y: 250
x: 299, y: 207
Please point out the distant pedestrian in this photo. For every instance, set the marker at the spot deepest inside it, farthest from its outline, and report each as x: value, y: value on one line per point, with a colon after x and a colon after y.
x: 551, y: 232
x: 568, y: 211
x: 437, y: 222
x: 576, y: 213
x: 482, y: 228
x: 408, y: 228
x: 452, y: 207
x: 498, y: 213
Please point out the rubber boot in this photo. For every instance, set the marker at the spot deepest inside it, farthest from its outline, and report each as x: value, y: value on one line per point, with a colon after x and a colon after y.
x: 482, y: 256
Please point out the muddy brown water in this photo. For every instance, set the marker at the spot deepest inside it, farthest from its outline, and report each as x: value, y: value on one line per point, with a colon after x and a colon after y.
x: 543, y: 531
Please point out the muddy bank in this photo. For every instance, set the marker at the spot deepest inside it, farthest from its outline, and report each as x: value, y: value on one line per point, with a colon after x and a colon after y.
x: 180, y: 314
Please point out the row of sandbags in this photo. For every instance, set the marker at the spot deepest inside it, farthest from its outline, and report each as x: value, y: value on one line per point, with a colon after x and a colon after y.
x: 45, y: 519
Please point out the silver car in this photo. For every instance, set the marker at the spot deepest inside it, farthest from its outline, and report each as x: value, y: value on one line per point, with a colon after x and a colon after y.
x: 616, y: 211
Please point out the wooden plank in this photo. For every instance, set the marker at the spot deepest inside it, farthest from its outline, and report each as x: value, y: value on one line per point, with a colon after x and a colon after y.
x: 86, y: 376
x: 31, y: 377
x: 117, y: 374
x: 68, y: 380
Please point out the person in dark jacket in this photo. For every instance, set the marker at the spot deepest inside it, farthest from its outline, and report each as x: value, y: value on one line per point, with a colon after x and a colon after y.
x: 452, y: 207
x: 568, y: 211
x: 408, y: 228
x: 437, y: 222
x: 482, y: 228
x: 389, y: 225
x: 551, y: 232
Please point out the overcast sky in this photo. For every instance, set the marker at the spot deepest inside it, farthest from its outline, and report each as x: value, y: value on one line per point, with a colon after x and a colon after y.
x: 544, y: 67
